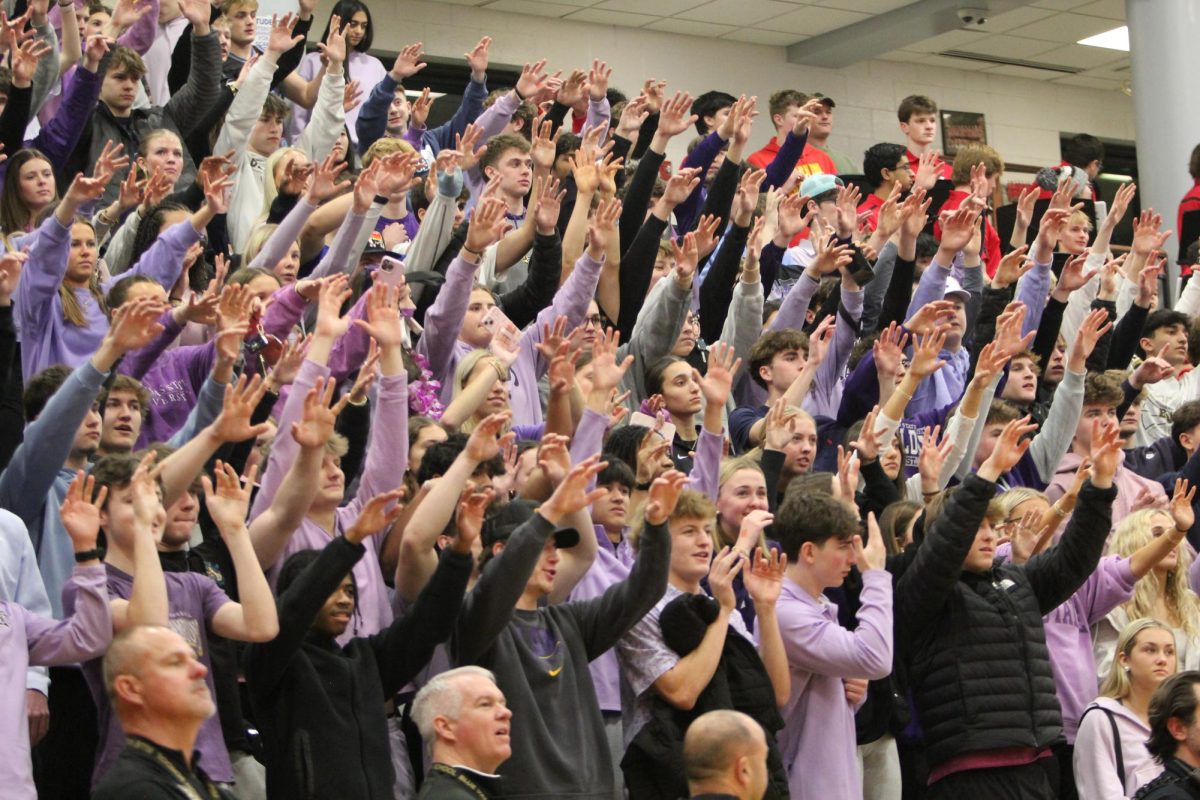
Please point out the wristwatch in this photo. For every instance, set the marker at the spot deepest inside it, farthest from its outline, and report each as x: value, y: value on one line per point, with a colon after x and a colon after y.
x: 87, y: 555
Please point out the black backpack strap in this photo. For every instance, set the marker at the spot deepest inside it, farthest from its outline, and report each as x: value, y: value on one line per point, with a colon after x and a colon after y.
x: 1116, y: 737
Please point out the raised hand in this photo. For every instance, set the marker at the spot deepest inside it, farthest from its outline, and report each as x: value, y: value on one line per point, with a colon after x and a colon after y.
x: 488, y: 225
x: 926, y: 352
x: 764, y: 579
x: 889, y: 350
x: 725, y: 566
x: 1154, y: 369
x: 330, y: 322
x: 241, y: 398
x: 929, y: 167
x: 316, y: 424
x: 485, y: 441
x: 1009, y: 449
x: 1012, y: 267
x: 746, y: 199
x: 597, y: 81
x: 334, y: 46
x: 934, y: 453
x: 607, y: 372
x: 687, y: 257
x: 845, y: 483
x: 376, y: 515
x: 472, y: 509
x: 80, y: 511
x: 477, y: 59
x: 1095, y: 325
x: 867, y: 444
x: 874, y: 555
x: 1181, y: 506
x: 603, y: 227
x: 25, y: 59
x: 778, y: 426
x: 383, y: 323
x: 571, y: 494
x: 680, y: 186
x: 134, y: 324
x: 675, y: 116
x: 533, y: 80
x: 281, y: 39
x: 794, y: 215
x: 1106, y: 452
x: 717, y: 382
x: 957, y: 228
x: 228, y: 502
x: 408, y: 61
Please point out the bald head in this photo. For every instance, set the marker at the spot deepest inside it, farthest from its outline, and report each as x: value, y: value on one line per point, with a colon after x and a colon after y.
x: 128, y: 652
x: 152, y: 673
x: 726, y: 751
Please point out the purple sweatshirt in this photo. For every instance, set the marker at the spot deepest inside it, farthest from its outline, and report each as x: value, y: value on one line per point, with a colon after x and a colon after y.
x: 386, y: 460
x: 818, y: 726
x: 30, y: 639
x: 46, y: 337
x: 443, y: 321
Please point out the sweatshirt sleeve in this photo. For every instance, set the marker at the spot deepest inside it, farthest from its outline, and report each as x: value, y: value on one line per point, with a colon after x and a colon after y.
x: 1054, y: 439
x: 818, y: 644
x: 285, y: 449
x: 387, y: 450
x: 80, y: 637
x: 607, y: 618
x: 163, y: 260
x: 327, y: 120
x: 795, y: 305
x: 1033, y: 289
x: 444, y: 318
x: 188, y: 107
x: 245, y: 110
x: 1057, y: 573
x: 44, y: 270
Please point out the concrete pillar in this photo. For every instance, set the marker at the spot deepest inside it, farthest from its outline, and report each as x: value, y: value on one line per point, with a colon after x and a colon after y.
x: 1162, y: 40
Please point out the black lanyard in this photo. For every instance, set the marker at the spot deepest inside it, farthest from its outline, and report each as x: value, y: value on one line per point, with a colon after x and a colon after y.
x: 185, y: 785
x: 463, y: 779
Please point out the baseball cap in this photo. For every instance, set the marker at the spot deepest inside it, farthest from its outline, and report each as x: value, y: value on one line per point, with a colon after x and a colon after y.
x: 817, y: 185
x: 512, y: 515
x: 953, y: 287
x: 825, y: 101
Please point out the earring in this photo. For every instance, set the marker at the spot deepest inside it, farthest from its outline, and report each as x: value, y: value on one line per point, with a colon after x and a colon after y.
x: 1127, y: 669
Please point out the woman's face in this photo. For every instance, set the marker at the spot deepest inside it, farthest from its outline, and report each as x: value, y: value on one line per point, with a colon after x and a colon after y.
x: 164, y: 152
x: 662, y: 265
x: 339, y: 147
x: 497, y: 397
x: 680, y: 389
x: 892, y: 460
x: 289, y: 266
x: 429, y: 435
x: 689, y: 334
x: 262, y: 287
x: 146, y: 289
x: 81, y: 260
x: 36, y: 184
x: 473, y: 331
x: 356, y: 29
x: 1074, y: 237
x: 1151, y: 659
x: 745, y: 491
x: 526, y: 464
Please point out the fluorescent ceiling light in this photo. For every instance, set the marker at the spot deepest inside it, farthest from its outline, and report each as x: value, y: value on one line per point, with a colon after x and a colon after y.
x: 1116, y: 39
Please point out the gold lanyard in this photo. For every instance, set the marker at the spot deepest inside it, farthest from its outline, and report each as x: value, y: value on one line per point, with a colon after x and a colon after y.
x: 463, y: 779
x: 185, y: 785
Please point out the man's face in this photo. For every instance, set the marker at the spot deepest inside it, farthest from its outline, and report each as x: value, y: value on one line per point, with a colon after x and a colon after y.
x: 224, y: 39
x: 802, y: 449
x: 541, y: 582
x: 983, y: 550
x: 429, y: 435
x: 119, y: 90
x: 716, y: 120
x: 921, y: 128
x: 333, y: 481
x: 481, y: 727
x: 515, y: 169
x: 399, y: 113
x: 119, y: 521
x: 987, y: 442
x: 611, y: 511
x: 1129, y: 422
x: 242, y: 25
x: 122, y: 421
x: 1074, y: 237
x: 1057, y: 366
x: 181, y: 521
x: 87, y: 437
x: 785, y: 367
x: 1022, y: 382
x: 1091, y: 412
x: 334, y: 616
x: 169, y: 681
x: 95, y: 23
x: 830, y: 561
x: 691, y: 548
x: 266, y: 135
x: 957, y: 323
x: 593, y: 325
x: 473, y: 330
x: 663, y: 265
x: 1174, y: 338
x: 823, y: 125
x: 787, y: 120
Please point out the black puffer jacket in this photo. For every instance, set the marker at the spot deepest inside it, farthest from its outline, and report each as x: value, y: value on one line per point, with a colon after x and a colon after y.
x: 973, y: 644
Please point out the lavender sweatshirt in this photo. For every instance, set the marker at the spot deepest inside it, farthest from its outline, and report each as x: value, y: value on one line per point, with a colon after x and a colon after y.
x: 27, y: 638
x: 386, y: 460
x: 46, y: 337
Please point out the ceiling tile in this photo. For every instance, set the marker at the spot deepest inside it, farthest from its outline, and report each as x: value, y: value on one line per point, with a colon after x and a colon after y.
x: 1006, y: 46
x: 1109, y: 9
x: 1066, y: 28
x: 737, y: 12
x: 812, y: 20
x: 690, y: 27
x: 1026, y: 15
x: 756, y: 36
x: 536, y: 9
x: 662, y: 8
x: 599, y: 16
x: 1078, y: 55
x: 868, y: 6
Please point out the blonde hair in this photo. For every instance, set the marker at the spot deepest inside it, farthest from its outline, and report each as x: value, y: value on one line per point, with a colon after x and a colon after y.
x: 73, y: 313
x: 1011, y: 498
x: 1078, y: 218
x: 385, y: 147
x: 729, y: 468
x: 1133, y: 533
x: 256, y: 242
x: 691, y: 505
x: 461, y: 374
x: 1117, y: 684
x: 270, y: 187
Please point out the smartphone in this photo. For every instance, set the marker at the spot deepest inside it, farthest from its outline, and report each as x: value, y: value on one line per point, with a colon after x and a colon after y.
x: 504, y: 331
x: 391, y: 272
x: 665, y: 429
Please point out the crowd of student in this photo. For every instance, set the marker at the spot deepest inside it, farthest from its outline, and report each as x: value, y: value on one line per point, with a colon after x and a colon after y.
x: 488, y: 460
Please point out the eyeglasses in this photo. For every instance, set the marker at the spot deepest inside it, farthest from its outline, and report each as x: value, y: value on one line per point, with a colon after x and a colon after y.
x: 594, y: 321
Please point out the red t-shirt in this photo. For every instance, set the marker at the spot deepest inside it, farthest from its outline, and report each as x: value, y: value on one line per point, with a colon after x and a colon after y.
x: 991, y: 239
x: 872, y: 203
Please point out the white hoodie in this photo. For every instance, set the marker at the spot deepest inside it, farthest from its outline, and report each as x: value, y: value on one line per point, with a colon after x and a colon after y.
x: 1095, y: 761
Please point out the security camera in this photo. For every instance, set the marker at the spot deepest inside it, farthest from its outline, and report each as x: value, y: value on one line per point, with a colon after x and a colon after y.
x: 972, y: 16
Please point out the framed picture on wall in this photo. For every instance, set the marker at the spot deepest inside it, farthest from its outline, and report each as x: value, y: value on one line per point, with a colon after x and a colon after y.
x: 960, y: 128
